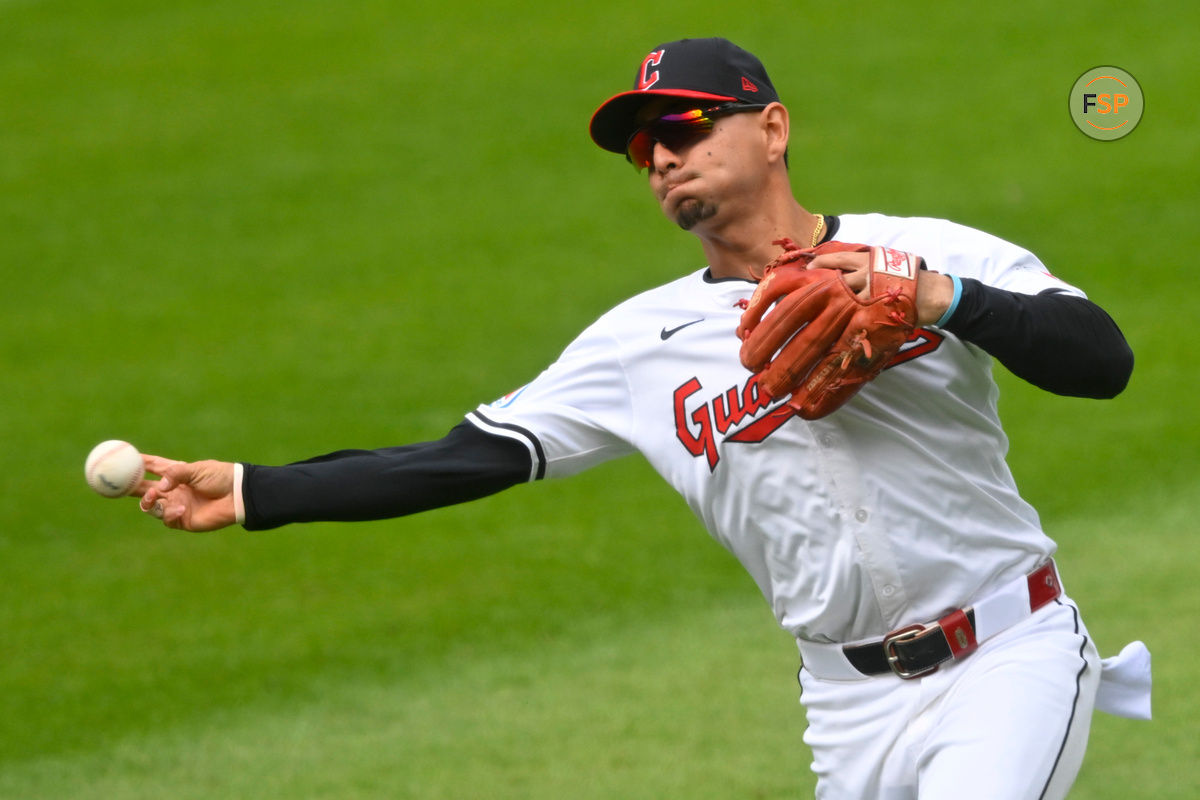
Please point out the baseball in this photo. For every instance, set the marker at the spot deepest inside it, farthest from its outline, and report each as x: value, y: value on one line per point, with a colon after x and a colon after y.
x: 113, y: 468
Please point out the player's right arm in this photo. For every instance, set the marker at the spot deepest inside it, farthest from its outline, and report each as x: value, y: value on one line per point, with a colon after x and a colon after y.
x: 348, y: 485
x: 196, y: 496
x: 574, y: 415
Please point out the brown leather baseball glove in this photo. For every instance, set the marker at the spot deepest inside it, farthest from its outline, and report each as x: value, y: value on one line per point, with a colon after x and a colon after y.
x: 808, y: 334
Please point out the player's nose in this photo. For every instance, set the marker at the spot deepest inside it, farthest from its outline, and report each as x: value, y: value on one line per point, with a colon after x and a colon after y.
x: 663, y: 158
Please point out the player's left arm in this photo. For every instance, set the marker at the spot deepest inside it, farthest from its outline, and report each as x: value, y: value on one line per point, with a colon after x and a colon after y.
x: 1057, y: 341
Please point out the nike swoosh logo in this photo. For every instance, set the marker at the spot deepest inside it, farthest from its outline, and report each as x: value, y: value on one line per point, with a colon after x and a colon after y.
x: 667, y: 334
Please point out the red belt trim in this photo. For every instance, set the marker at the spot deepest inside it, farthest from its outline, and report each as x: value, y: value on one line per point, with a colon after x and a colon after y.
x: 959, y: 633
x: 1044, y: 586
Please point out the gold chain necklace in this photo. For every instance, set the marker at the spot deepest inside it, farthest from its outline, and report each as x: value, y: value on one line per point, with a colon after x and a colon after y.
x: 818, y: 230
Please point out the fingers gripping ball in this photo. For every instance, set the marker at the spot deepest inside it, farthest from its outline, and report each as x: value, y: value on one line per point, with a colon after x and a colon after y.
x: 113, y: 468
x: 806, y: 333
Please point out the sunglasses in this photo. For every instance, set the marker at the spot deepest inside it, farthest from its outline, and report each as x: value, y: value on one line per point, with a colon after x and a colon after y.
x: 677, y: 130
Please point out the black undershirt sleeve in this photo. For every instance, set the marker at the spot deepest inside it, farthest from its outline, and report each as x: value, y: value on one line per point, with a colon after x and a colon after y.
x: 1058, y: 342
x: 353, y: 485
x: 1064, y: 344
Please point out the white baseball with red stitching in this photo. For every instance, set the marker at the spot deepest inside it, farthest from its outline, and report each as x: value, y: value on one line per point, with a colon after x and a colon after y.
x: 113, y: 468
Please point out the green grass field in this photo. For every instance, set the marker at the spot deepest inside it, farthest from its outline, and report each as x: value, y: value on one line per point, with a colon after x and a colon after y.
x: 259, y: 231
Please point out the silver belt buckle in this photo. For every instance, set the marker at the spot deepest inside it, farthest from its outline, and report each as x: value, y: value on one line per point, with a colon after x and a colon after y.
x: 893, y: 660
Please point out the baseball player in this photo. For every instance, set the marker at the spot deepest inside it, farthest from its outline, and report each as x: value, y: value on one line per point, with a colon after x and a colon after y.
x: 941, y: 656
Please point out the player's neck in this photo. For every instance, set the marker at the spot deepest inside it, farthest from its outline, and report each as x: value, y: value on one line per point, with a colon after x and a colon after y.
x: 740, y: 250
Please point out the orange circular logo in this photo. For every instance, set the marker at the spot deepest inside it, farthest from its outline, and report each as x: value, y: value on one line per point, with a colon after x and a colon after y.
x: 1106, y: 103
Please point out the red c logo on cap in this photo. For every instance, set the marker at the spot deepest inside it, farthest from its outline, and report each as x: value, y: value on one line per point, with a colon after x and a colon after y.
x: 652, y: 60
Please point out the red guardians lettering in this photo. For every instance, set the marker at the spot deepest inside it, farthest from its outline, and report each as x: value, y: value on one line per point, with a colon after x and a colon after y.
x: 699, y: 429
x: 700, y: 426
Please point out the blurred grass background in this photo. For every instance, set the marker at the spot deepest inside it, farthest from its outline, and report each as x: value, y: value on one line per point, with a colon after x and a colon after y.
x: 255, y: 231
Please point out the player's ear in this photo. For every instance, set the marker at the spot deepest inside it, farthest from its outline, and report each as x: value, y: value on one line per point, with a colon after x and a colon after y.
x: 775, y: 128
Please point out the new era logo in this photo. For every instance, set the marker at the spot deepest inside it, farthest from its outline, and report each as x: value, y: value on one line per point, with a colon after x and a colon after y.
x: 747, y: 86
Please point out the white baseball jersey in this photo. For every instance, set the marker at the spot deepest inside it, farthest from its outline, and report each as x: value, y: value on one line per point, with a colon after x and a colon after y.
x: 894, y: 509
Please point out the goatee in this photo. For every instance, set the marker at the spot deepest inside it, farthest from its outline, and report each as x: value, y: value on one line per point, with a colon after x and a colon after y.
x: 692, y: 212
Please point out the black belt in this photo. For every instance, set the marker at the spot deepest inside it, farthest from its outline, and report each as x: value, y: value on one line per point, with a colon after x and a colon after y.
x: 920, y: 649
x: 913, y: 651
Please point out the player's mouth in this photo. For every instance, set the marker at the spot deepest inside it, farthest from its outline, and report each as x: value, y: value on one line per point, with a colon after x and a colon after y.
x: 669, y: 189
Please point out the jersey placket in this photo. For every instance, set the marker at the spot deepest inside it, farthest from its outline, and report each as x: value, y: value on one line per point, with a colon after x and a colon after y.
x: 861, y: 520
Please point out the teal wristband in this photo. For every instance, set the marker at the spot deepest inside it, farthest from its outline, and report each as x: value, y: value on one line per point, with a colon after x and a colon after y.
x: 953, y: 303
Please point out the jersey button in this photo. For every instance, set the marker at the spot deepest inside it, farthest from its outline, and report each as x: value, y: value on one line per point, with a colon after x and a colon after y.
x: 861, y: 515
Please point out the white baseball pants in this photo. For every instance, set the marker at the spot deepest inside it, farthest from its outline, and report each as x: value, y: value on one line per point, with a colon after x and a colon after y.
x: 1009, y: 722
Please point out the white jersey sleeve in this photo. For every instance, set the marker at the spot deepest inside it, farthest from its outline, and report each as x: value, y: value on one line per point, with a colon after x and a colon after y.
x: 574, y: 415
x: 955, y: 249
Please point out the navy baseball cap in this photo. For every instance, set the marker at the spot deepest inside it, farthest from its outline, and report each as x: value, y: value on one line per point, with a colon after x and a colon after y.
x: 709, y: 70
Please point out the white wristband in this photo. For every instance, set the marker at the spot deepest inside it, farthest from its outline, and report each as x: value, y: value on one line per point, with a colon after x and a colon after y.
x: 239, y: 508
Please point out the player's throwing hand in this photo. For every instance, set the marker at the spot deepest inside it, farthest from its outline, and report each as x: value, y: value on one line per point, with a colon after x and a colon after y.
x: 195, y: 496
